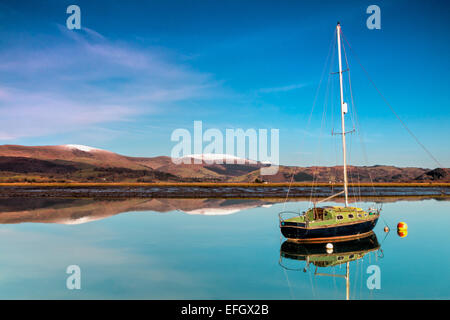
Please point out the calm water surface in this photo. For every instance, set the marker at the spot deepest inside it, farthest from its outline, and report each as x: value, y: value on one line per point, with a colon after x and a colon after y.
x: 206, y: 249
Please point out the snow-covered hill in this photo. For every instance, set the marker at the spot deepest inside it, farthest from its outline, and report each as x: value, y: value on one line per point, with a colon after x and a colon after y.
x: 215, y: 157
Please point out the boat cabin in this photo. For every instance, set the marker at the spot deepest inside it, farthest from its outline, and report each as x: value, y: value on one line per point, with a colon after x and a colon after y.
x: 334, y: 213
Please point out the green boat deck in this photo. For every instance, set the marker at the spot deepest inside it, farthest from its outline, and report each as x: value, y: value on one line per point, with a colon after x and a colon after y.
x: 332, y: 215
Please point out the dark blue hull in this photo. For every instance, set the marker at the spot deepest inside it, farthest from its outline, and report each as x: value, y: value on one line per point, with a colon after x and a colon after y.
x: 300, y: 232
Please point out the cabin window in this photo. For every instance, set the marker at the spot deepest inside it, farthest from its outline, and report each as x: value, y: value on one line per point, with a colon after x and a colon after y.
x: 359, y: 215
x: 340, y: 258
x: 339, y: 217
x: 351, y: 256
x: 351, y: 216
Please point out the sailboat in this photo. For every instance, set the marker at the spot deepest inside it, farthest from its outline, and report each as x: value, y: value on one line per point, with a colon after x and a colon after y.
x: 327, y: 223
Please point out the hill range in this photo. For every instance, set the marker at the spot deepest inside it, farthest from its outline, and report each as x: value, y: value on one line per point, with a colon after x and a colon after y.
x: 77, y: 163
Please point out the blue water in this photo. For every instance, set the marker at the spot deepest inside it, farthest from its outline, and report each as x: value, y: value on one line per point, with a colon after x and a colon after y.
x: 175, y: 255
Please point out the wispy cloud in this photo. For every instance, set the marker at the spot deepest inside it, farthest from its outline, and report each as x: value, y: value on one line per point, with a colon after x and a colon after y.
x: 282, y: 88
x: 80, y: 78
x: 25, y: 114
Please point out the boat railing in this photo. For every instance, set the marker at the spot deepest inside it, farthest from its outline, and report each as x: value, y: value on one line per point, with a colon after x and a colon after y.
x: 288, y: 214
x: 280, y: 262
x: 373, y: 210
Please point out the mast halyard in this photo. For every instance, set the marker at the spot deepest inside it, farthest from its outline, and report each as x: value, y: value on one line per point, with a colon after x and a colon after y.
x: 343, y: 112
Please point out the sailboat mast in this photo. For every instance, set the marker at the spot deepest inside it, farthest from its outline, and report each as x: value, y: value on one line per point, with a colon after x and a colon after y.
x: 343, y: 112
x: 347, y: 282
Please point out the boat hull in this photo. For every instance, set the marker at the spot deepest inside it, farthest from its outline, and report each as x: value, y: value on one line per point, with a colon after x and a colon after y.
x: 299, y: 232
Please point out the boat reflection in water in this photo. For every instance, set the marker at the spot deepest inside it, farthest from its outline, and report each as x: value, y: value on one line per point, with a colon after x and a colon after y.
x: 322, y: 255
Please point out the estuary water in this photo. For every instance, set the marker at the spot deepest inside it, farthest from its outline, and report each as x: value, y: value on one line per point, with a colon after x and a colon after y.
x: 212, y: 249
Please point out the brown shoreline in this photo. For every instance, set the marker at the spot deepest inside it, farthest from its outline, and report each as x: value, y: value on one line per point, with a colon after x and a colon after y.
x: 246, y: 191
x: 223, y: 184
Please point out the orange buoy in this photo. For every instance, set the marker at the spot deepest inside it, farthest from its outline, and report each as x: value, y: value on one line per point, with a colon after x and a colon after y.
x: 402, y: 226
x: 402, y: 229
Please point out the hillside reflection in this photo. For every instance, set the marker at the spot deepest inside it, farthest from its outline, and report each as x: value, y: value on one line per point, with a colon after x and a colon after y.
x: 81, y: 210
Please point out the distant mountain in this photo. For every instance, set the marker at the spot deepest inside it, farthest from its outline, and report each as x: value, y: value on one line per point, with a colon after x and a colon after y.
x: 376, y: 173
x: 439, y: 174
x: 73, y: 153
x: 78, y: 163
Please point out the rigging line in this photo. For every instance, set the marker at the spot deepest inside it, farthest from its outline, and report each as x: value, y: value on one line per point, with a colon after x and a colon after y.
x: 323, y: 121
x: 289, y: 284
x: 352, y: 114
x: 355, y: 193
x: 359, y: 186
x: 335, y: 141
x: 315, y: 176
x: 349, y: 157
x: 385, y: 223
x: 353, y: 117
x: 361, y: 278
x: 354, y: 110
x: 312, y: 284
x: 289, y: 189
x: 360, y: 133
x: 392, y: 109
x: 334, y: 169
x: 334, y: 281
x: 330, y: 48
x: 349, y: 169
x: 357, y: 276
x: 382, y: 241
x: 360, y: 272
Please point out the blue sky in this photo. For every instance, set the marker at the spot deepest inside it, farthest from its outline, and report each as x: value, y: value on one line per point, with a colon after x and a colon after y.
x: 138, y: 70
